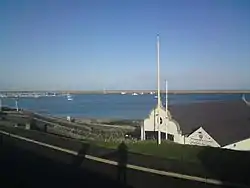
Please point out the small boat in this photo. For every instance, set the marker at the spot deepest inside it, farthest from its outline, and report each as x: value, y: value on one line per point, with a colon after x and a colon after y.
x: 123, y: 93
x: 69, y: 97
x: 36, y: 96
x: 3, y: 96
x: 134, y: 94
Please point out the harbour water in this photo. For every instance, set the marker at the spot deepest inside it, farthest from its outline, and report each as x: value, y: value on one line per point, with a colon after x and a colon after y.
x: 110, y: 105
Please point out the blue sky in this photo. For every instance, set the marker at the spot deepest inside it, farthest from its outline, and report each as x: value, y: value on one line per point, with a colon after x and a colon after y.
x: 96, y: 44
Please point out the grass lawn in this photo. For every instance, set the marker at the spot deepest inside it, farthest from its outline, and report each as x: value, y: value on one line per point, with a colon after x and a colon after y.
x: 185, y: 153
x: 167, y: 149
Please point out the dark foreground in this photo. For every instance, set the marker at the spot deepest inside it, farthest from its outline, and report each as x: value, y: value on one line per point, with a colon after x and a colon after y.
x: 23, y: 168
x: 26, y: 164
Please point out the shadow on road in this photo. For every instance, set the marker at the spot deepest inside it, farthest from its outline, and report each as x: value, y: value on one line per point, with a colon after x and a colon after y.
x: 120, y: 155
x: 77, y: 161
x: 122, y: 162
x: 21, y: 167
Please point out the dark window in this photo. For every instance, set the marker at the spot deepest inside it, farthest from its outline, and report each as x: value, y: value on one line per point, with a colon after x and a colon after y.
x: 163, y: 136
x: 160, y: 120
x: 170, y: 137
x: 151, y: 135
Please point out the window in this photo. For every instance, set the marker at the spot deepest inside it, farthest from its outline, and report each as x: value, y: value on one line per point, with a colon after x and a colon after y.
x: 163, y: 136
x: 170, y: 137
x: 160, y: 120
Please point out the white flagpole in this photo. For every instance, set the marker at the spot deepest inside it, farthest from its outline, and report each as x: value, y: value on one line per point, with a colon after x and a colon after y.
x: 158, y: 92
x: 166, y: 95
x: 167, y: 118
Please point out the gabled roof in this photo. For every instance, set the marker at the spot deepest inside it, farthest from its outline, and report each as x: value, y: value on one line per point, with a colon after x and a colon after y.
x: 168, y: 115
x: 192, y: 131
x: 162, y: 108
x: 226, y: 122
x: 202, y: 133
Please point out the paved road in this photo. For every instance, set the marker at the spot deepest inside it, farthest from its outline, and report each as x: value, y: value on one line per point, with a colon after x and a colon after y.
x: 22, y: 168
x: 229, y: 172
x: 25, y: 164
x: 235, y: 168
x: 28, y: 163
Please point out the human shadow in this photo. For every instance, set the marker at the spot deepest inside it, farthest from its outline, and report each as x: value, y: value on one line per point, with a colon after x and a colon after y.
x: 78, y: 160
x: 120, y: 155
x: 18, y: 164
x: 122, y: 151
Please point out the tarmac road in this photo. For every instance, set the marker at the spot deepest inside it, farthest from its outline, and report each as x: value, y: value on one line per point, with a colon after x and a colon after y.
x: 26, y: 164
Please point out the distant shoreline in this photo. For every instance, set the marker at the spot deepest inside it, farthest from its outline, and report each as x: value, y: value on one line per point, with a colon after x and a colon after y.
x: 139, y: 91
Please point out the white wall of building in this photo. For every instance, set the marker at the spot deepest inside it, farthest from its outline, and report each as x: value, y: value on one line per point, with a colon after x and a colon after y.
x: 243, y: 145
x: 168, y: 125
x: 150, y: 123
x: 201, y: 138
x: 173, y: 128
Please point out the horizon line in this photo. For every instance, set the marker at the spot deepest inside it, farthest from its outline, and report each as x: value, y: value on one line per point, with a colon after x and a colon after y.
x: 115, y: 91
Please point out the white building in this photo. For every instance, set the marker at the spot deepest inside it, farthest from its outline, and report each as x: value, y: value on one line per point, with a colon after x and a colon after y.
x: 215, y: 120
x: 243, y: 145
x: 232, y: 131
x: 171, y: 130
x: 200, y: 138
x: 160, y: 121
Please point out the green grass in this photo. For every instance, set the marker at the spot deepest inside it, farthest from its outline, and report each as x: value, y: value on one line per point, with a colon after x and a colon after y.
x: 214, y: 159
x: 123, y: 122
x: 167, y: 150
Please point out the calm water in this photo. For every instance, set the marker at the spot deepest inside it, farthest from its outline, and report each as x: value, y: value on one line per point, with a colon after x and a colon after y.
x: 110, y: 105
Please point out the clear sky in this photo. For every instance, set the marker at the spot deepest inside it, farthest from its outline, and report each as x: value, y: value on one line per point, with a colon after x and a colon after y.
x: 96, y: 44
